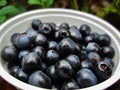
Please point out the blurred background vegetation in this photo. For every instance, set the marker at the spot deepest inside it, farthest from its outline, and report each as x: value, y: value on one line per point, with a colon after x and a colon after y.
x: 108, y: 10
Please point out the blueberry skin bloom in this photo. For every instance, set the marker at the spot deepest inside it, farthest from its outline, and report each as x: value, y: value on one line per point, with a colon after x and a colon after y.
x: 31, y: 33
x: 73, y: 60
x: 86, y: 78
x: 9, y: 54
x: 40, y: 40
x: 40, y: 79
x: 67, y: 46
x: 31, y: 62
x: 64, y: 69
x: 51, y: 57
x: 35, y: 24
x: 22, y: 41
x: 70, y: 85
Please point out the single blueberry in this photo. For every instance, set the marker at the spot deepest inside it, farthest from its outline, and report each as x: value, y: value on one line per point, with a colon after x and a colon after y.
x: 10, y: 54
x: 64, y: 69
x: 51, y: 57
x: 40, y: 79
x: 35, y: 24
x: 86, y: 78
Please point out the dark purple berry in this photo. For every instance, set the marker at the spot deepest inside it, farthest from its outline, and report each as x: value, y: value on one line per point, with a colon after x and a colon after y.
x: 75, y: 34
x: 107, y: 51
x: 73, y: 60
x: 64, y: 69
x: 70, y: 85
x: 86, y: 78
x: 52, y: 45
x: 9, y: 54
x: 40, y: 79
x: 64, y: 26
x: 36, y: 23
x: 46, y: 29
x: 51, y: 57
x: 85, y: 30
x: 104, y: 40
x: 40, y: 40
x: 31, y: 62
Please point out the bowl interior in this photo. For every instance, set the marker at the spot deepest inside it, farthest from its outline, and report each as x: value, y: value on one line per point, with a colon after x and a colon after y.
x: 23, y: 23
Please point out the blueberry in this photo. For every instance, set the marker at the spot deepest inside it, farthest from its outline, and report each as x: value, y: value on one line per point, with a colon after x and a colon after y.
x: 64, y: 69
x: 13, y: 38
x: 44, y: 67
x: 56, y: 36
x: 46, y: 29
x: 40, y: 79
x: 22, y: 76
x: 53, y: 25
x: 85, y: 30
x: 40, y: 51
x: 67, y: 46
x: 88, y: 39
x: 108, y: 60
x: 107, y: 51
x: 73, y: 60
x: 31, y: 33
x: 86, y: 64
x: 61, y: 34
x: 56, y: 87
x: 23, y: 53
x: 70, y: 85
x: 104, y: 40
x: 31, y: 62
x: 83, y: 55
x: 95, y: 36
x: 51, y: 72
x: 14, y: 71
x: 92, y: 47
x: 73, y: 27
x: 75, y: 34
x: 52, y: 45
x: 102, y: 70
x: 86, y: 78
x: 93, y: 57
x: 40, y: 40
x: 51, y: 57
x: 22, y: 41
x: 36, y: 23
x: 78, y: 48
x: 64, y: 26
x: 9, y: 54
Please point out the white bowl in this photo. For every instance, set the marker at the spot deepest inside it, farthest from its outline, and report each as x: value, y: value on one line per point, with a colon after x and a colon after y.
x: 21, y: 22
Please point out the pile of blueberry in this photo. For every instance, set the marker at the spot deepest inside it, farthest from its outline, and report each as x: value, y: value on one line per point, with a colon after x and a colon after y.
x: 60, y: 57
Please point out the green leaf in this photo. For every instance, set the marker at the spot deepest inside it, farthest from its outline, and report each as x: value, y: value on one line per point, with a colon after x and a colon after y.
x: 74, y: 4
x: 3, y: 2
x: 109, y: 9
x: 48, y: 3
x: 8, y: 10
x: 2, y: 19
x: 85, y: 6
x: 34, y: 2
x: 20, y: 9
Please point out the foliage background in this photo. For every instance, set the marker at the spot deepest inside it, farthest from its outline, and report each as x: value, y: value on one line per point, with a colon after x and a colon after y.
x: 108, y: 10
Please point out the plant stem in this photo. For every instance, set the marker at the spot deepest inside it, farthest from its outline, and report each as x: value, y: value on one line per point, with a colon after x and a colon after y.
x: 75, y: 4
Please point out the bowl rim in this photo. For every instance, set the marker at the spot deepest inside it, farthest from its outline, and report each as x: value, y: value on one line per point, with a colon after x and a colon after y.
x: 25, y: 86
